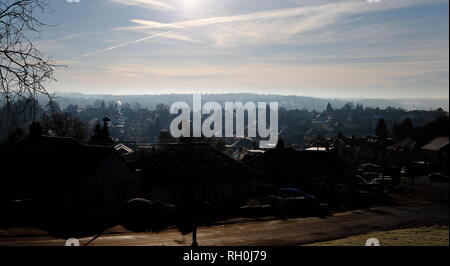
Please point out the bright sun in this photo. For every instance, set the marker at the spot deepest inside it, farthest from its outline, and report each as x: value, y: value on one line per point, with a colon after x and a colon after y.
x: 192, y: 3
x: 191, y: 6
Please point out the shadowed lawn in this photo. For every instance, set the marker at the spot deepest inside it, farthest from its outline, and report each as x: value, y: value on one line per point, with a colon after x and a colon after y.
x: 421, y: 236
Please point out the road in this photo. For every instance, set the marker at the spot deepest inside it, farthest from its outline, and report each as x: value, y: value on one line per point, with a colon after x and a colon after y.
x: 296, y: 231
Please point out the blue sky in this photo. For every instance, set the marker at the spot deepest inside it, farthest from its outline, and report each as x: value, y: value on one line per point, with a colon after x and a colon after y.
x: 321, y: 48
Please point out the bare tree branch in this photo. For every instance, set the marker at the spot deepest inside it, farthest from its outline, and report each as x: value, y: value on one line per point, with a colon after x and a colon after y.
x: 24, y: 70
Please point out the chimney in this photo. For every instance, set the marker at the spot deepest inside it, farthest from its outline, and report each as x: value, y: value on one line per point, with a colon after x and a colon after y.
x: 105, y: 121
x: 35, y: 130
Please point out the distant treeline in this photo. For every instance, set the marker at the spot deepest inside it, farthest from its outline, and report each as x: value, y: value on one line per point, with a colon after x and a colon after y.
x: 135, y: 122
x: 287, y: 102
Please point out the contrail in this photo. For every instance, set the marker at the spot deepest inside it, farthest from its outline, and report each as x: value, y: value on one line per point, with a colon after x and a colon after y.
x: 116, y: 46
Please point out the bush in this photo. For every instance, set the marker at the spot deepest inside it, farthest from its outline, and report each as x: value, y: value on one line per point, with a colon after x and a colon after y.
x: 142, y: 215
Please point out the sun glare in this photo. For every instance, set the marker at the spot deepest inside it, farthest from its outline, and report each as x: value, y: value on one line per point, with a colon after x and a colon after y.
x: 191, y: 6
x: 189, y: 3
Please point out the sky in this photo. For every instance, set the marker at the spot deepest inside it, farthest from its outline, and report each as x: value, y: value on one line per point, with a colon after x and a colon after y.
x: 319, y: 48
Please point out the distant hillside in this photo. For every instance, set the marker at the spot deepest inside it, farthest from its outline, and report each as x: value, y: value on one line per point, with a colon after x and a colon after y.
x: 288, y: 102
x: 137, y: 119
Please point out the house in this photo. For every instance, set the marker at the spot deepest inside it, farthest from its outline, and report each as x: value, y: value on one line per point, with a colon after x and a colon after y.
x: 101, y: 134
x: 176, y: 172
x: 436, y: 152
x: 239, y: 147
x: 122, y: 149
x: 402, y: 151
x: 315, y: 171
x: 437, y: 145
x: 369, y: 149
x: 65, y: 179
x: 250, y: 154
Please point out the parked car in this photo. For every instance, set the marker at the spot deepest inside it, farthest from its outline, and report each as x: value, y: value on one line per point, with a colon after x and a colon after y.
x: 295, y: 200
x: 367, y: 185
x: 369, y: 176
x: 294, y: 193
x: 361, y: 180
x: 371, y: 167
x: 256, y: 210
x: 438, y: 177
x: 387, y: 180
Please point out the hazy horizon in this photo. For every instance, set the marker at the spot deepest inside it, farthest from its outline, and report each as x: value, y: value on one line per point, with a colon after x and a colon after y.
x: 244, y: 92
x: 287, y: 101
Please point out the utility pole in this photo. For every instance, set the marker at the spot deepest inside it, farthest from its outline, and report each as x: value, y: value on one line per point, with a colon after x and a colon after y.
x: 193, y: 183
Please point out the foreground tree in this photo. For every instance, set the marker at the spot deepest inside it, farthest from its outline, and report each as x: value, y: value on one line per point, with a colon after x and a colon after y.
x: 23, y: 68
x: 408, y: 128
x: 63, y: 124
x: 329, y: 108
x: 142, y: 215
x: 381, y: 130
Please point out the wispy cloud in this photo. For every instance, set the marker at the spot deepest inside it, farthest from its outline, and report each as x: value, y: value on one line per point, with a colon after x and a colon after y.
x: 115, y: 46
x: 177, y: 36
x: 313, y: 14
x: 155, y: 25
x: 275, y: 25
x: 152, y: 4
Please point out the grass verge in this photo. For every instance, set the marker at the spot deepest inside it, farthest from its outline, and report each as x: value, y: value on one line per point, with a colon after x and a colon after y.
x: 436, y: 235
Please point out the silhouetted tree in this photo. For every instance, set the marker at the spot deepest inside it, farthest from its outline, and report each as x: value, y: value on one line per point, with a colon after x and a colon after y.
x: 396, y: 129
x: 329, y: 108
x: 163, y: 113
x: 359, y: 108
x: 15, y: 136
x: 101, y: 134
x: 97, y: 130
x: 142, y: 215
x: 403, y: 130
x: 433, y: 129
x: 348, y: 106
x: 381, y: 130
x: 64, y: 125
x: 23, y: 68
x: 407, y: 128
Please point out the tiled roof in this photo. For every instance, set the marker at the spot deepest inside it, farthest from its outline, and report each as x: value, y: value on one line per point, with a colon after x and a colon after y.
x: 176, y: 164
x: 436, y: 144
x: 47, y: 156
x: 408, y: 143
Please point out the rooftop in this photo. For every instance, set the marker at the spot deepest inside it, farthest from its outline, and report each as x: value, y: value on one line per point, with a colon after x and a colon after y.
x: 436, y: 144
x: 52, y: 156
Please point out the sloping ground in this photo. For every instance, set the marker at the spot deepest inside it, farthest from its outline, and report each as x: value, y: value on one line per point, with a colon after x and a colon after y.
x: 422, y: 236
x: 298, y: 231
x: 411, y: 211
